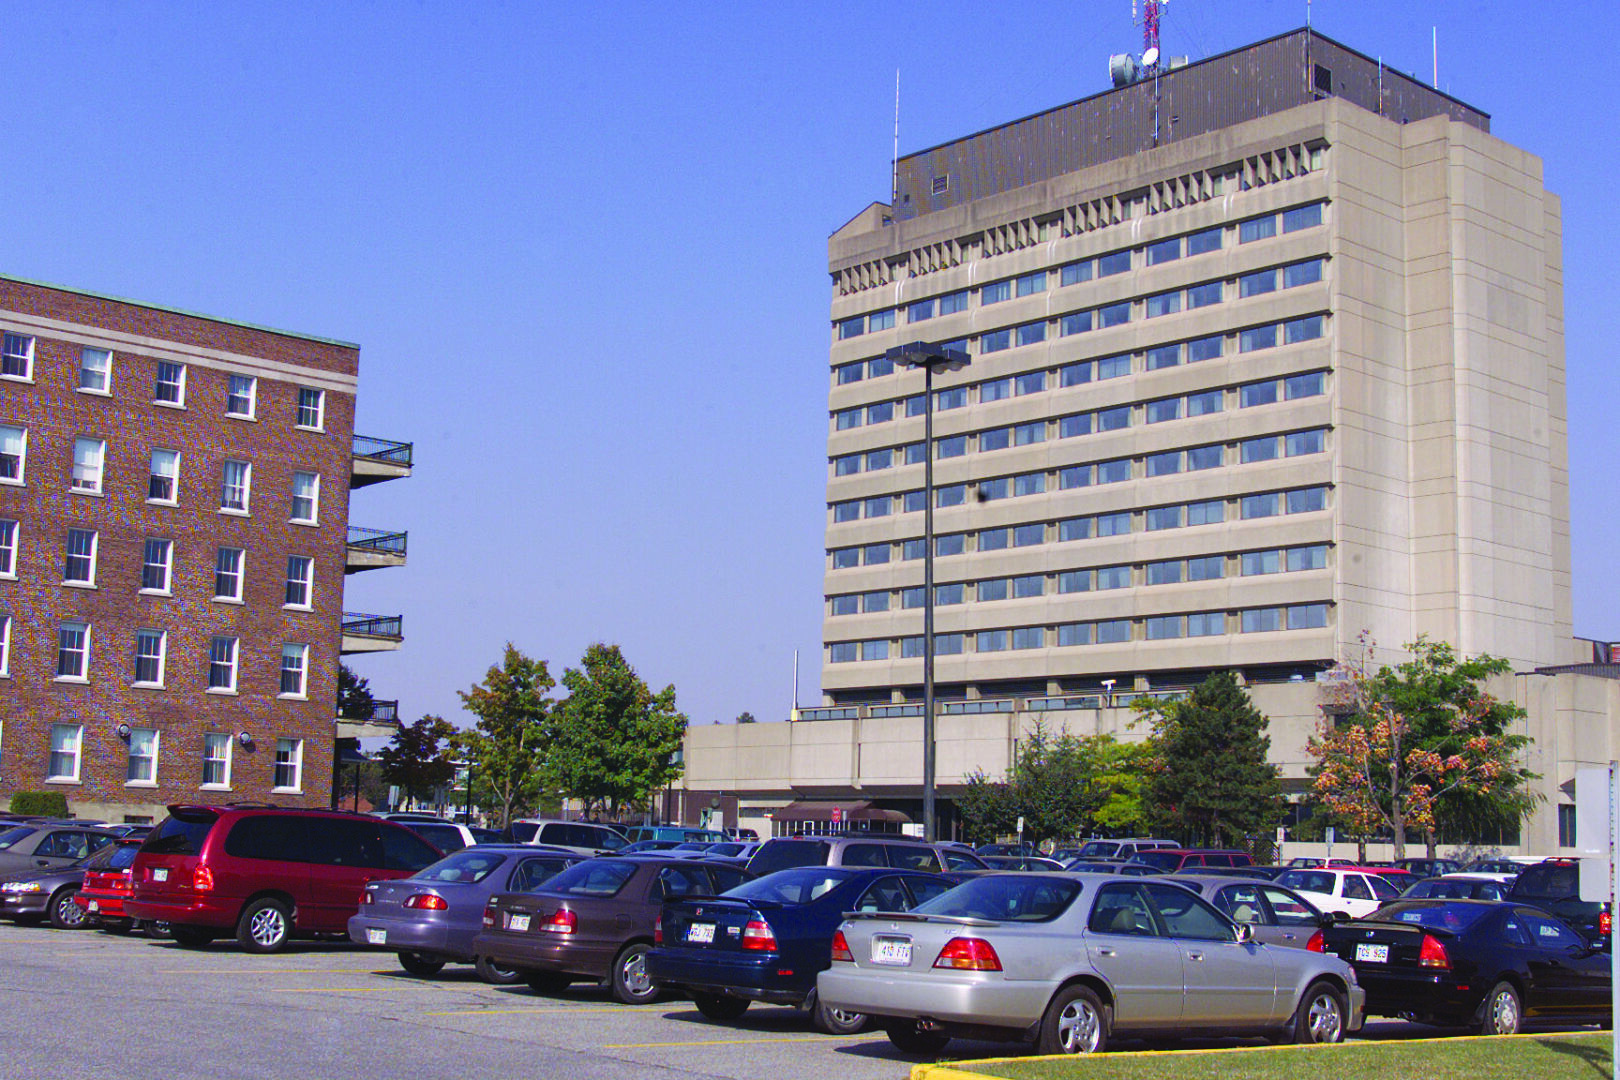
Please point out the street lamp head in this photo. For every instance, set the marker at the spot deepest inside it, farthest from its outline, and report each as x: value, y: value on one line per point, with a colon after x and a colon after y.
x: 921, y: 354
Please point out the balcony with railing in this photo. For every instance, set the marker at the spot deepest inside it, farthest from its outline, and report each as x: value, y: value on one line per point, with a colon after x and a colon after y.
x: 376, y: 460
x: 369, y: 549
x: 380, y: 721
x: 967, y: 707
x: 364, y: 633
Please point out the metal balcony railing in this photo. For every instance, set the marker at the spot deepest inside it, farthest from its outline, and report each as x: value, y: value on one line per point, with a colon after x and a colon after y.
x: 379, y: 540
x: 382, y: 712
x: 390, y: 451
x: 379, y: 626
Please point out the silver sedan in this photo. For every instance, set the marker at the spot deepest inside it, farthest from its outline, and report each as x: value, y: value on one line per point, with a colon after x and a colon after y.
x: 1069, y: 960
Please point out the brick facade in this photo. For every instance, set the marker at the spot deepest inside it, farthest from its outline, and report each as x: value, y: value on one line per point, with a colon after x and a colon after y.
x: 55, y: 412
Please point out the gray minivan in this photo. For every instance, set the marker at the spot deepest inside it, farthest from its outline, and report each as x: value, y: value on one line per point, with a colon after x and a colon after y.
x: 782, y: 852
x: 583, y: 837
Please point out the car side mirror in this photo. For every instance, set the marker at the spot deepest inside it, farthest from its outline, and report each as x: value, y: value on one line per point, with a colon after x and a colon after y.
x: 1326, y: 919
x: 1245, y: 933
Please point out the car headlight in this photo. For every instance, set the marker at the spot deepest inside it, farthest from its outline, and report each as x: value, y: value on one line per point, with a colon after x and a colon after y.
x: 22, y: 886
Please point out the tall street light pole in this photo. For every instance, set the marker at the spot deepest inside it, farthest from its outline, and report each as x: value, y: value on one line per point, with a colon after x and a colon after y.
x: 921, y: 354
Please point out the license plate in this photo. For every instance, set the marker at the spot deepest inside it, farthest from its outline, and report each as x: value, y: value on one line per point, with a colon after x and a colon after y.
x: 376, y: 937
x: 517, y: 922
x: 702, y: 933
x: 1373, y: 954
x: 891, y: 951
x: 160, y: 873
x: 93, y: 907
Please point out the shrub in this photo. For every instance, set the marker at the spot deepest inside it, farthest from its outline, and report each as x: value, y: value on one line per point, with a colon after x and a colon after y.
x: 44, y: 803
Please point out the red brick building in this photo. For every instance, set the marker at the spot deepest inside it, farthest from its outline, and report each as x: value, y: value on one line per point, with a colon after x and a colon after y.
x: 174, y: 501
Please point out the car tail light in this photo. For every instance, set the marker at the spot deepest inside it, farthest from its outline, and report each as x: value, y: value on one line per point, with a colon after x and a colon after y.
x: 427, y: 902
x: 202, y: 879
x: 368, y: 897
x: 757, y: 935
x: 840, y: 948
x: 658, y: 932
x: 562, y: 921
x: 968, y: 954
x: 1605, y: 923
x: 489, y: 915
x: 1316, y: 944
x: 1432, y: 954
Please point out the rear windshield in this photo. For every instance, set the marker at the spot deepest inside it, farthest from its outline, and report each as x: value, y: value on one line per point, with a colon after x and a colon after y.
x: 523, y: 831
x: 1309, y: 880
x: 799, y: 885
x: 181, y: 833
x: 466, y: 866
x: 595, y: 877
x: 1009, y: 898
x: 1442, y: 916
x: 443, y: 836
x: 1099, y: 849
x: 1163, y: 860
x: 1548, y: 882
x: 123, y: 857
x: 14, y: 834
x: 783, y: 854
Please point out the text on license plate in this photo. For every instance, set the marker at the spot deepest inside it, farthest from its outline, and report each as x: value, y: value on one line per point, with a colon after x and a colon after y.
x: 95, y: 906
x: 700, y: 932
x: 517, y: 922
x: 1373, y: 954
x: 891, y: 951
x: 160, y: 873
x: 374, y: 936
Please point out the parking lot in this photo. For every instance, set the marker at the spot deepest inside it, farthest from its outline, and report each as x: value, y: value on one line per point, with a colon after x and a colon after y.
x: 79, y: 1002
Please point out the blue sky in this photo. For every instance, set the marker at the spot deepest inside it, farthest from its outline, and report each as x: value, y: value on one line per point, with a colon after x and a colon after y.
x: 583, y: 248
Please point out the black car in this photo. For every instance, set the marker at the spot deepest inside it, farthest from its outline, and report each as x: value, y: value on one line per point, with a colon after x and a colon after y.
x: 1426, y: 868
x: 1554, y: 885
x: 1478, y: 963
x: 1456, y: 888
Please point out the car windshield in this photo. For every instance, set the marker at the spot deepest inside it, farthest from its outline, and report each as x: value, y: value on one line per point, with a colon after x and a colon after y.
x: 1436, y: 916
x: 465, y: 867
x: 1006, y: 898
x: 797, y: 886
x: 1099, y: 849
x: 12, y: 835
x: 123, y: 857
x: 781, y: 854
x: 594, y: 877
x: 725, y: 850
x: 1309, y: 880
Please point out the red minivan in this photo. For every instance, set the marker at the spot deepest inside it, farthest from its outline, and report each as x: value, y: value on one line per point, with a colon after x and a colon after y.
x: 266, y: 874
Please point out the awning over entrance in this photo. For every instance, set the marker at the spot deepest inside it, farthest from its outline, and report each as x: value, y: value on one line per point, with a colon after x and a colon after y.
x: 859, y: 810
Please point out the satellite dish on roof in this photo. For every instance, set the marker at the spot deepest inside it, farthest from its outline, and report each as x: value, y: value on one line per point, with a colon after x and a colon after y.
x: 1150, y: 57
x: 1122, y: 69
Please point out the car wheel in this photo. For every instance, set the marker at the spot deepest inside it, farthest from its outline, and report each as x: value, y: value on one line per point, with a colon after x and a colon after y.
x: 548, y: 982
x: 65, y: 913
x: 720, y: 1006
x: 1076, y: 1022
x: 189, y: 937
x: 420, y: 965
x: 910, y: 1037
x: 495, y: 974
x: 117, y: 926
x: 1502, y: 1013
x: 158, y: 930
x: 264, y: 926
x: 834, y: 1021
x: 1320, y: 1016
x: 630, y: 982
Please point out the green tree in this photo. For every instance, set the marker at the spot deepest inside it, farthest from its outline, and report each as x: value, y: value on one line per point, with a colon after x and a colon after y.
x: 1208, y: 778
x: 1061, y: 786
x: 354, y: 700
x: 613, y: 741
x: 746, y: 718
x: 416, y: 759
x: 507, y: 744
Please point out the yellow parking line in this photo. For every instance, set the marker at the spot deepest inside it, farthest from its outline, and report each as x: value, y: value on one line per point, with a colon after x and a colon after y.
x: 273, y: 971
x: 725, y: 1042
x: 552, y: 1010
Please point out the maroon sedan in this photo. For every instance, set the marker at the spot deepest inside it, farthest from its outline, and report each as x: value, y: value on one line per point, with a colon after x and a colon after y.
x: 595, y: 920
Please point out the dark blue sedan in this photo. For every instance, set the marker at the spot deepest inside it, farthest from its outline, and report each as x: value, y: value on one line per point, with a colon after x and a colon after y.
x: 766, y: 940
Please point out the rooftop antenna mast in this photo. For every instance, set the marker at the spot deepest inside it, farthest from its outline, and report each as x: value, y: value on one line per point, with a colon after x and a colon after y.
x: 1151, y: 10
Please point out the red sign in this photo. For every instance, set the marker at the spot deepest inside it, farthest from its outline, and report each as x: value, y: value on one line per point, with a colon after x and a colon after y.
x: 837, y: 814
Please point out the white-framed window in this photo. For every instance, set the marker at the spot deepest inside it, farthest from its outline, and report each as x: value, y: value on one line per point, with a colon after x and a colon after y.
x: 300, y: 581
x: 95, y: 370
x: 242, y: 396
x: 294, y: 670
x: 222, y: 664
x: 143, y: 757
x: 216, y: 772
x: 13, y: 453
x: 236, y: 483
x: 228, y: 574
x: 17, y: 356
x: 289, y: 764
x: 88, y: 456
x: 79, y: 563
x: 73, y: 651
x: 311, y: 408
x: 8, y: 549
x: 151, y: 651
x: 5, y: 646
x: 170, y: 388
x: 306, y: 498
x: 66, y: 741
x: 157, y: 566
x: 163, y: 485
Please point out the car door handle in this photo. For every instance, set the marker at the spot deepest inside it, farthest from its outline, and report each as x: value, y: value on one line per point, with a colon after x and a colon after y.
x: 1288, y: 937
x: 1195, y: 955
x: 1105, y: 951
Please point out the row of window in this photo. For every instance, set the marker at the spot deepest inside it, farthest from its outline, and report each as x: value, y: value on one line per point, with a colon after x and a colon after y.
x: 1090, y: 579
x: 82, y: 551
x: 1090, y: 474
x: 169, y: 385
x: 1075, y: 273
x: 1290, y: 332
x: 1100, y: 632
x: 141, y: 762
x: 149, y: 666
x: 88, y: 476
x: 1120, y: 523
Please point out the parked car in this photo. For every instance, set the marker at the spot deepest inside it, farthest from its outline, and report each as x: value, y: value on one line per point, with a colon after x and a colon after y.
x: 1429, y: 868
x: 447, y: 836
x: 1486, y: 964
x: 1554, y: 885
x: 1503, y: 870
x: 1021, y: 862
x: 641, y: 846
x: 1276, y: 915
x: 28, y: 896
x: 1457, y: 887
x: 859, y: 849
x: 1176, y: 860
x: 1072, y: 960
x: 748, y: 835
x: 680, y: 834
x: 431, y: 917
x: 595, y: 920
x: 107, y: 886
x: 1096, y: 866
x: 582, y: 837
x: 1337, y: 890
x: 266, y: 874
x: 737, y: 851
x: 1025, y: 848
x: 49, y: 845
x: 486, y: 836
x: 1122, y: 850
x: 765, y: 940
x: 1308, y: 862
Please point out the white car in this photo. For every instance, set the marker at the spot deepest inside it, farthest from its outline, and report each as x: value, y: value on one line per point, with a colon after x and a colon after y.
x: 1334, y: 889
